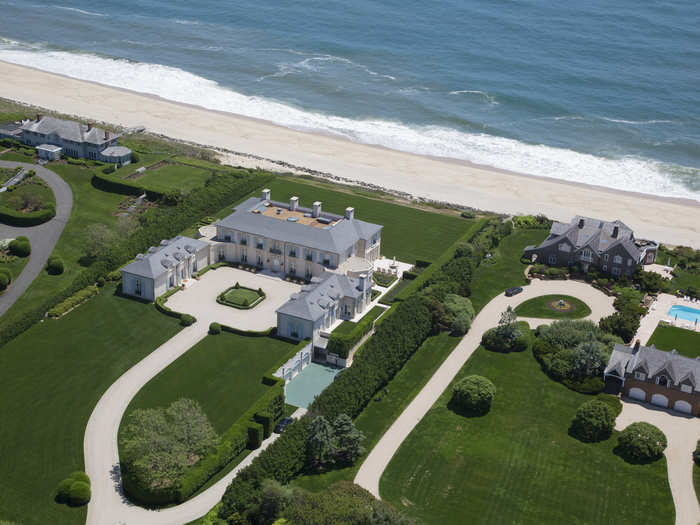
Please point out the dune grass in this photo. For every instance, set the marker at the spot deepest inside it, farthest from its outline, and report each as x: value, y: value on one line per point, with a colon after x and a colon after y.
x: 518, y: 464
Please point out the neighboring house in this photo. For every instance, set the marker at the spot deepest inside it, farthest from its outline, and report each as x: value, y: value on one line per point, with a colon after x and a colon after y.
x: 164, y: 267
x: 608, y: 246
x: 73, y: 138
x: 665, y: 379
x: 321, y: 303
x: 302, y: 242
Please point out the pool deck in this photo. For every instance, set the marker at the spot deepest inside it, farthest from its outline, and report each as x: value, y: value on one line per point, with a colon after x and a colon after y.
x: 659, y: 312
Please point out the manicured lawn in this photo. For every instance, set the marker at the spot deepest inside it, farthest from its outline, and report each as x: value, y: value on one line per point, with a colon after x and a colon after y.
x: 21, y: 155
x: 378, y: 416
x: 51, y: 377
x: 541, y: 307
x: 32, y: 194
x: 518, y: 464
x: 504, y: 269
x: 241, y: 297
x: 173, y: 177
x: 668, y: 337
x: 348, y: 326
x: 408, y: 234
x: 222, y: 372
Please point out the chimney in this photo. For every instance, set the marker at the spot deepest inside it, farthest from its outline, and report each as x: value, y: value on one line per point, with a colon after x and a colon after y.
x: 580, y: 223
x: 265, y: 195
x: 349, y: 213
x: 363, y: 281
x: 89, y: 126
x: 316, y: 209
x: 637, y: 344
x: 293, y: 203
x: 616, y: 230
x: 39, y: 116
x: 106, y: 135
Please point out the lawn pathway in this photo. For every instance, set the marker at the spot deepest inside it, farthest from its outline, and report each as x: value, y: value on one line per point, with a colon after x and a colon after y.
x: 376, y: 462
x: 43, y: 237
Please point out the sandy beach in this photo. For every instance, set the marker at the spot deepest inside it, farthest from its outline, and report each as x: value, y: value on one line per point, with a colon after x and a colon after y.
x: 674, y: 221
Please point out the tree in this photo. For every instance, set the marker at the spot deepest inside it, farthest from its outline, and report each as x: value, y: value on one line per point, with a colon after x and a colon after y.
x: 641, y: 443
x: 273, y: 499
x: 589, y: 358
x: 98, y: 240
x: 320, y: 446
x: 508, y: 325
x: 348, y: 445
x: 473, y: 395
x: 594, y: 421
x: 621, y: 324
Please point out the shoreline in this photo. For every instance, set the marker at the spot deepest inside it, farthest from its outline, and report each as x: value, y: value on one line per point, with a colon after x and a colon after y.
x: 248, y: 141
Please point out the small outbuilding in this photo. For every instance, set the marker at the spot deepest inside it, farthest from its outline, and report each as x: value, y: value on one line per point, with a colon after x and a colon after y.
x: 49, y: 152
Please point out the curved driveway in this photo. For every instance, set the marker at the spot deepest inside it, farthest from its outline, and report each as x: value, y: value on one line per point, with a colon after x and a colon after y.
x: 43, y: 237
x: 376, y: 462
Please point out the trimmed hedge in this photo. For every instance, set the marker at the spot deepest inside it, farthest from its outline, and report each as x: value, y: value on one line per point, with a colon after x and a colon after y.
x: 32, y: 218
x: 54, y: 266
x: 185, y: 319
x: 214, y: 328
x: 472, y: 395
x: 105, y: 181
x: 341, y: 344
x: 4, y: 281
x: 74, y: 490
x: 73, y: 301
x: 20, y: 246
x: 641, y: 443
x: 594, y: 421
x: 79, y: 494
x: 255, y: 435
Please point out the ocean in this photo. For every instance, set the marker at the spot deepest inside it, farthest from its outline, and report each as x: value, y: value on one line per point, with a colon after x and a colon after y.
x: 604, y: 93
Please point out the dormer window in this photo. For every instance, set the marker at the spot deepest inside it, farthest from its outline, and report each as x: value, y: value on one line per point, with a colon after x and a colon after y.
x: 641, y: 376
x: 617, y: 259
x: 686, y: 388
x: 662, y: 380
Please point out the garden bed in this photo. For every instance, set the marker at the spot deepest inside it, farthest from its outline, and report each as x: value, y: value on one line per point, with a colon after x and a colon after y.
x: 241, y: 297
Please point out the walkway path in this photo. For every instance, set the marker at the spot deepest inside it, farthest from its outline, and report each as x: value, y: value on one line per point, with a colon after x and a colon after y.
x: 682, y: 433
x: 376, y: 462
x: 43, y: 237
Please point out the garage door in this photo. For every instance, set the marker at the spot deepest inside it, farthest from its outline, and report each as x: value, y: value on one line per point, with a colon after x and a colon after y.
x: 682, y: 406
x: 659, y: 400
x: 637, y: 393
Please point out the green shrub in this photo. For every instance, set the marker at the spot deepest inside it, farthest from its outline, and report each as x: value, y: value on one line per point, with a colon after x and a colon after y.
x: 641, y: 443
x: 267, y: 421
x: 466, y: 214
x: 32, y: 218
x: 696, y: 453
x: 473, y: 395
x: 187, y: 320
x: 54, y: 266
x: 79, y: 494
x: 101, y: 281
x: 108, y: 169
x: 214, y: 328
x: 4, y: 281
x: 495, y: 341
x: 594, y: 421
x: 114, y: 276
x: 255, y: 435
x: 73, y: 301
x: 341, y: 343
x: 20, y: 246
x: 79, y: 475
x: 135, y: 157
x: 63, y: 490
x: 612, y: 401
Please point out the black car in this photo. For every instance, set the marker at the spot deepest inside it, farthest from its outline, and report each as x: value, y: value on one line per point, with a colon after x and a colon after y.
x: 279, y: 428
x: 510, y: 292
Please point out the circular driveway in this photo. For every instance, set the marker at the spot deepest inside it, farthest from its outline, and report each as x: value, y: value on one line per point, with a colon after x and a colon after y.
x: 199, y: 299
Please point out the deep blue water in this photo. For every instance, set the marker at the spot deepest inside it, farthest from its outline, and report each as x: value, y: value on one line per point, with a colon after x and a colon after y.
x: 597, y: 92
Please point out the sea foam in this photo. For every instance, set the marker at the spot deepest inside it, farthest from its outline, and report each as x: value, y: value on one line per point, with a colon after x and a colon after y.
x: 626, y: 173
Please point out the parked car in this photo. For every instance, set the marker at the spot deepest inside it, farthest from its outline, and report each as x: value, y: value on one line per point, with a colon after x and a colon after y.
x: 510, y: 292
x: 284, y: 423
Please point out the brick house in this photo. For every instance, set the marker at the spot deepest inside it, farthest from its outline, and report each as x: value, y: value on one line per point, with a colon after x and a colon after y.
x: 665, y: 379
x: 608, y: 246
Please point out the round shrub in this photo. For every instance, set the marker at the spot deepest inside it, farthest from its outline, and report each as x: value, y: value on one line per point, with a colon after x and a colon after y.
x: 4, y: 281
x: 641, y: 443
x: 473, y: 395
x: 54, y: 265
x: 594, y: 421
x: 101, y: 281
x: 63, y: 490
x: 187, y: 320
x: 20, y: 247
x: 214, y: 328
x: 79, y: 493
x: 6, y: 272
x: 79, y: 475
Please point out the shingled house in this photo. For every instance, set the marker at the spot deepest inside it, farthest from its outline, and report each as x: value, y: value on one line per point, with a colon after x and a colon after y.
x: 665, y: 379
x: 608, y: 246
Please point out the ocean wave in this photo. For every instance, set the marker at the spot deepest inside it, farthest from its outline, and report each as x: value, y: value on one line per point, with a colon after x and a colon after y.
x: 80, y: 11
x: 489, y: 98
x: 314, y: 63
x: 624, y: 173
x: 186, y: 22
x: 636, y: 122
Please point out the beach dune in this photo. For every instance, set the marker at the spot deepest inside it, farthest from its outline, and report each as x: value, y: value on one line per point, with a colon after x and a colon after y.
x: 673, y: 221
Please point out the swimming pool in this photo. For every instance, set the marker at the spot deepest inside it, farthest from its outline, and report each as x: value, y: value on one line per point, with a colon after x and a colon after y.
x: 685, y: 312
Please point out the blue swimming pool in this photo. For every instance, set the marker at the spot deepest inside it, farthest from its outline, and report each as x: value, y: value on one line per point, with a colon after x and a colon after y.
x: 685, y: 312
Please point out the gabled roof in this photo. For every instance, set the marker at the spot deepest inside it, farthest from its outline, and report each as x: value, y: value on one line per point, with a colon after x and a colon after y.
x: 655, y: 361
x: 159, y: 259
x: 335, y: 238
x: 68, y: 130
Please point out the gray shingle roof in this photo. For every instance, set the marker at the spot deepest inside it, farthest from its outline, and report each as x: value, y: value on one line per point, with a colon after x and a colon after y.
x: 625, y: 360
x: 336, y: 238
x: 314, y: 300
x: 68, y: 130
x: 159, y: 258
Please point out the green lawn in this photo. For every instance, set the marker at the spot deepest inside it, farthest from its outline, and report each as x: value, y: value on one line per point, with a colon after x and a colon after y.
x: 52, y: 377
x: 172, y: 177
x: 21, y: 155
x: 668, y: 337
x: 540, y: 307
x: 6, y: 173
x: 32, y: 194
x: 504, y: 269
x: 378, y: 416
x: 348, y: 326
x: 518, y: 464
x: 241, y: 297
x: 408, y: 234
x: 222, y: 372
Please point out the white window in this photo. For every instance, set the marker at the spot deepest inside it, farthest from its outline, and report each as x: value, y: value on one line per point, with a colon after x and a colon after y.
x: 629, y: 262
x: 687, y: 388
x: 137, y: 290
x: 615, y: 271
x: 563, y: 247
x: 617, y: 259
x: 587, y: 253
x: 640, y: 375
x: 606, y: 257
x: 552, y: 259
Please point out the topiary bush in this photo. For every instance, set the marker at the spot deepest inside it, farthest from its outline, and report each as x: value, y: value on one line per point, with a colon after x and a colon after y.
x: 63, y: 490
x: 7, y: 273
x: 20, y: 247
x: 54, y: 266
x: 79, y: 494
x: 187, y: 320
x: 74, y: 490
x: 214, y: 328
x: 4, y: 281
x: 472, y: 395
x: 641, y: 443
x: 79, y: 475
x: 594, y: 421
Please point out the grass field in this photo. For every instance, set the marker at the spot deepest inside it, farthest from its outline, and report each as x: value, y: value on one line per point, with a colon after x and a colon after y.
x: 30, y: 195
x: 52, y: 377
x: 222, y: 372
x: 668, y: 337
x: 539, y: 307
x: 18, y: 155
x: 518, y: 464
x: 378, y: 416
x: 408, y: 234
x: 172, y: 177
x: 504, y: 269
x: 241, y: 297
x: 348, y: 326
